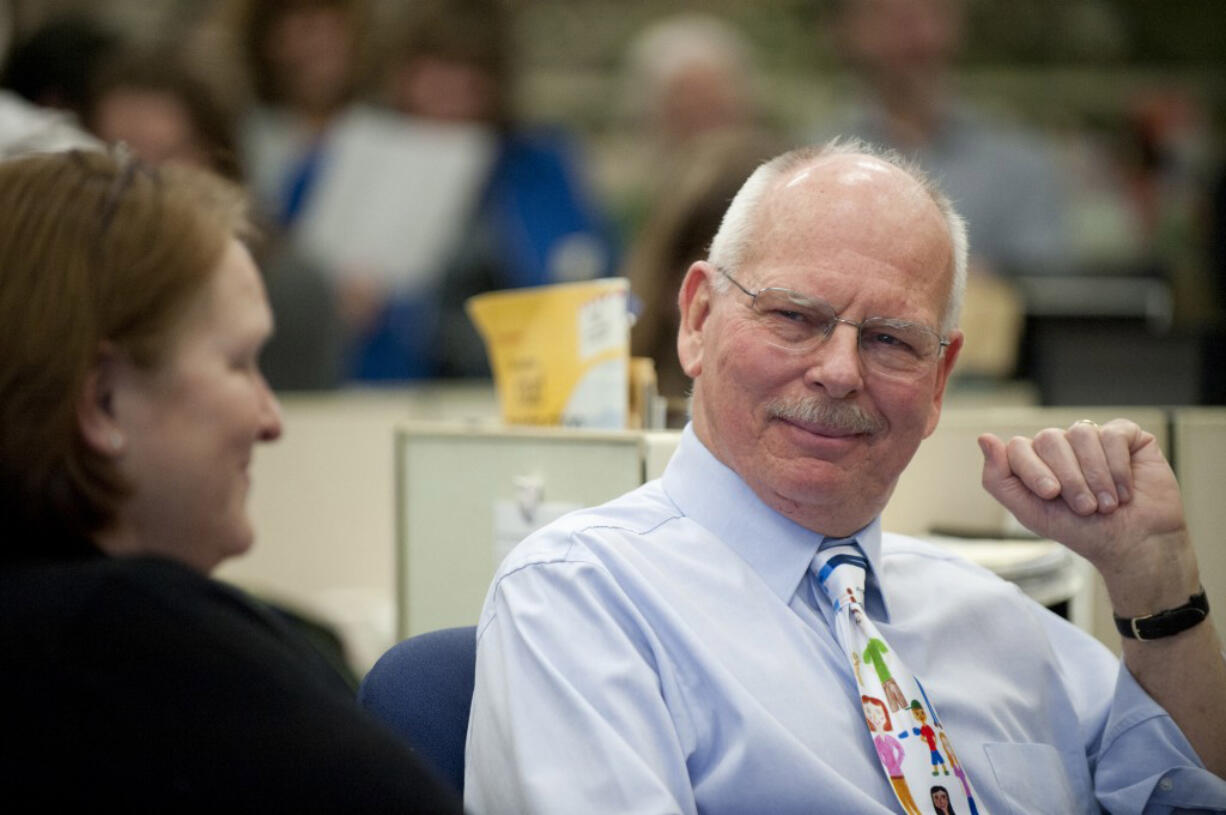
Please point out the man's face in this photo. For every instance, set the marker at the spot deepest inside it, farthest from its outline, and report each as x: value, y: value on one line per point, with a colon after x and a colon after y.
x: 866, y: 238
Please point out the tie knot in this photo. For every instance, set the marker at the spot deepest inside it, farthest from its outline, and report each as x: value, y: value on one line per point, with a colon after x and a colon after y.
x: 839, y: 567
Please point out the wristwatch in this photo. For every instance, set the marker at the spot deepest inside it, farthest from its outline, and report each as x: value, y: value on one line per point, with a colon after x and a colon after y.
x: 1165, y: 623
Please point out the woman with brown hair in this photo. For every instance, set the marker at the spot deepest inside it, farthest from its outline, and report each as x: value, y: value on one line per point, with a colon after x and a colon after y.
x: 131, y: 319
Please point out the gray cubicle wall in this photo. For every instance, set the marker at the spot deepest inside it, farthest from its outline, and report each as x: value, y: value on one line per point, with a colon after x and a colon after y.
x: 1200, y: 462
x: 450, y: 481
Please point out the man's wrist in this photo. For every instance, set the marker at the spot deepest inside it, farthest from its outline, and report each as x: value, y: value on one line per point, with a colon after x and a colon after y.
x: 1159, y: 575
x: 1165, y: 623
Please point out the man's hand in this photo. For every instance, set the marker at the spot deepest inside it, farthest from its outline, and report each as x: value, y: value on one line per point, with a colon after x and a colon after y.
x: 1109, y: 495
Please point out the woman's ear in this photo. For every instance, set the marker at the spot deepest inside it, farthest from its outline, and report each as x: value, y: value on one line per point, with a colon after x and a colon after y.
x: 694, y: 300
x: 96, y: 404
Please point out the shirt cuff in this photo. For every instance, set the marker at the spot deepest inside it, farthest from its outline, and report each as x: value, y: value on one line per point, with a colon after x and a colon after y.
x: 1146, y: 764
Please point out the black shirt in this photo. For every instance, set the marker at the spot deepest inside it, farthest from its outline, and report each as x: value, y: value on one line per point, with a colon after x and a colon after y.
x: 142, y: 683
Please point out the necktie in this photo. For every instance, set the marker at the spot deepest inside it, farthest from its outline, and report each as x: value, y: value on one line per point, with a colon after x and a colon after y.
x: 914, y: 749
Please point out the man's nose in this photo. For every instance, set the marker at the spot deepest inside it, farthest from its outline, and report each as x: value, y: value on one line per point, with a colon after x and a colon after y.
x: 835, y: 363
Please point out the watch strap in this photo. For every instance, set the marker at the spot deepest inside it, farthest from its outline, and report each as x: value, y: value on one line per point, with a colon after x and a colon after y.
x: 1165, y: 623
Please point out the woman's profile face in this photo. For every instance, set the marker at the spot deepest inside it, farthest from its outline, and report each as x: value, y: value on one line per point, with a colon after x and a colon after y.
x: 190, y: 425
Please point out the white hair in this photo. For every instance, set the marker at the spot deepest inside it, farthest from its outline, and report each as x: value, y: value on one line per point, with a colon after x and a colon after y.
x: 663, y: 50
x: 734, y: 240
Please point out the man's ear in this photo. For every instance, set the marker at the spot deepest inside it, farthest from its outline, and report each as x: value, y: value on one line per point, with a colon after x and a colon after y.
x: 945, y: 366
x: 96, y: 405
x: 694, y: 301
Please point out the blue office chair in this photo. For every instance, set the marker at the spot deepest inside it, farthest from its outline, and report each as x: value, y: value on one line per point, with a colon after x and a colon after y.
x: 422, y: 689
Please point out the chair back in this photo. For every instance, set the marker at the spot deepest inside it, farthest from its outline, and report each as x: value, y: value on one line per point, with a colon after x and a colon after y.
x: 422, y: 689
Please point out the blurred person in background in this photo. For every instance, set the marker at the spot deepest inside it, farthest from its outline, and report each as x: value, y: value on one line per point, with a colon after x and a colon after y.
x: 535, y: 221
x: 1003, y: 178
x: 55, y: 65
x: 131, y: 320
x: 303, y: 58
x: 678, y: 231
x: 164, y: 112
x: 42, y: 85
x: 167, y: 110
x: 686, y: 76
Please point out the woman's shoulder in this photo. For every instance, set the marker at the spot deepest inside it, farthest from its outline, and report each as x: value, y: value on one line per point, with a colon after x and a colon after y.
x: 68, y: 584
x: 158, y: 606
x: 150, y: 682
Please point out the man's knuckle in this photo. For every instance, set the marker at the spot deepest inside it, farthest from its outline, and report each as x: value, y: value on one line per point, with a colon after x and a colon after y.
x: 1048, y: 439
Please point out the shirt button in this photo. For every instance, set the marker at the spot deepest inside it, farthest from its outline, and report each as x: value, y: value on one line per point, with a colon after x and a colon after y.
x: 1166, y: 785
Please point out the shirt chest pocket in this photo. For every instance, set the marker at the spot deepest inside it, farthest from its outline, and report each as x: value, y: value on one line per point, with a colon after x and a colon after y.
x: 1032, y: 778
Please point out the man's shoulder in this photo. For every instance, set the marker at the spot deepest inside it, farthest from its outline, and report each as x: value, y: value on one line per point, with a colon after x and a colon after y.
x: 586, y: 534
x: 911, y: 553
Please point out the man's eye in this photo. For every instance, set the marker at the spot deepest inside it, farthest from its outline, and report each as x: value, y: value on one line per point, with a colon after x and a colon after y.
x: 794, y: 316
x: 886, y: 340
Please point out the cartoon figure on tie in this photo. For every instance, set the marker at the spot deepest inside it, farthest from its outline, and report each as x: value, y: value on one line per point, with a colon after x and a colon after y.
x: 855, y: 666
x: 874, y: 654
x: 929, y: 735
x: 940, y: 800
x: 889, y: 750
x: 959, y: 773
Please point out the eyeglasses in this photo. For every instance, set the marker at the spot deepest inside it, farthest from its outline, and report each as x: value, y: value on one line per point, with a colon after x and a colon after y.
x: 800, y: 324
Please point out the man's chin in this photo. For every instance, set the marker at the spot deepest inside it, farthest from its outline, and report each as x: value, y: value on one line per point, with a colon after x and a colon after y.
x: 822, y: 496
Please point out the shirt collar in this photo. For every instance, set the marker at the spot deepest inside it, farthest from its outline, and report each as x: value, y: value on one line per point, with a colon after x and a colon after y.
x: 777, y: 548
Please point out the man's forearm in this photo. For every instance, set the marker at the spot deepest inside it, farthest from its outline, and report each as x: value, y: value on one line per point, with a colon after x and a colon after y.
x: 1186, y: 675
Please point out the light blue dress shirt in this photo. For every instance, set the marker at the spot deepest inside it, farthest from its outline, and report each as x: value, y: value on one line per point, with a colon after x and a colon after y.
x: 665, y: 653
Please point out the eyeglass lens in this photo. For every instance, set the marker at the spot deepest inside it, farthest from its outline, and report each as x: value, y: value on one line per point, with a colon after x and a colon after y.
x: 801, y: 323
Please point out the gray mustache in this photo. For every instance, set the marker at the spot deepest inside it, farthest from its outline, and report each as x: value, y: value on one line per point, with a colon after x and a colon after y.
x: 837, y: 415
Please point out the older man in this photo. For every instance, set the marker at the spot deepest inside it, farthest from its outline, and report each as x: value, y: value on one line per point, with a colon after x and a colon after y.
x: 671, y: 651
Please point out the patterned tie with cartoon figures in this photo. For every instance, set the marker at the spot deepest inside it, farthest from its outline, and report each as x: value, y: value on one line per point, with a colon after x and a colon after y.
x: 913, y: 747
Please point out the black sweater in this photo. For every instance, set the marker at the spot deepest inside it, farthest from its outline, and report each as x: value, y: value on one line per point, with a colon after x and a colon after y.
x: 140, y: 683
